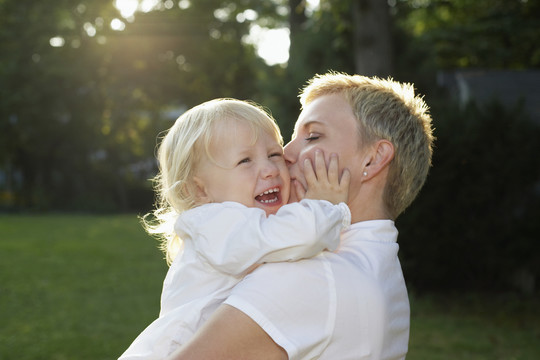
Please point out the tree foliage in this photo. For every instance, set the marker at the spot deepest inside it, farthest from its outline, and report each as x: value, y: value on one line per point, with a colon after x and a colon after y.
x: 474, y: 224
x: 473, y: 33
x: 81, y: 105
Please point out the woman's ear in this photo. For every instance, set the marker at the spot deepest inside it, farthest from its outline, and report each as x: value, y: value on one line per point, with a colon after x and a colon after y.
x: 382, y: 154
x: 201, y: 194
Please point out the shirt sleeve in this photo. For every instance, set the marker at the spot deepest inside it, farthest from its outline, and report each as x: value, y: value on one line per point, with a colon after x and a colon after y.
x: 233, y: 237
x: 299, y: 315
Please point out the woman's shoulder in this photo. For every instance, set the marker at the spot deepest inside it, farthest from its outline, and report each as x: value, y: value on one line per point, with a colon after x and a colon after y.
x: 289, y: 276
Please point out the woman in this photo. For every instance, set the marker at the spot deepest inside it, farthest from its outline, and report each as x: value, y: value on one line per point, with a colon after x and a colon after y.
x: 351, y: 304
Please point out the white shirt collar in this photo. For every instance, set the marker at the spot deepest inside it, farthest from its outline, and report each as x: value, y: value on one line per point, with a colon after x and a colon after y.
x: 372, y: 230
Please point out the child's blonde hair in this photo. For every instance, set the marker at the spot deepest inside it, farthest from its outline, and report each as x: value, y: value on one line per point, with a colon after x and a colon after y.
x: 386, y: 109
x: 181, y: 150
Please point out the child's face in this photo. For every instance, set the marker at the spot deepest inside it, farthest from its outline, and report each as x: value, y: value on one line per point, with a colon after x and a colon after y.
x: 254, y: 175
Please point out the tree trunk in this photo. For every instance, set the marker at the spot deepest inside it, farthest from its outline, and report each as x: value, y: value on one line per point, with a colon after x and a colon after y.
x: 297, y: 18
x: 372, y: 37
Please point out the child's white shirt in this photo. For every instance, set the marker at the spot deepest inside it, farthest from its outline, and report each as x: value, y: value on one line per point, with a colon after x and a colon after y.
x: 221, y: 243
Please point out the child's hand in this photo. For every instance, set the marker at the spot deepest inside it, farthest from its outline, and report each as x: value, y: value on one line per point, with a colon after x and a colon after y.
x: 323, y: 184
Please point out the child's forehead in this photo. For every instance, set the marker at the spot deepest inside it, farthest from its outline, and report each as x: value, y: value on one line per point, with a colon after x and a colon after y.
x: 231, y: 128
x: 232, y: 139
x: 233, y: 135
x: 239, y: 128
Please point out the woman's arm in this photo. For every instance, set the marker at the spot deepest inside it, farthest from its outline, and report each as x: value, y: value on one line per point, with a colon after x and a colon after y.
x: 230, y: 335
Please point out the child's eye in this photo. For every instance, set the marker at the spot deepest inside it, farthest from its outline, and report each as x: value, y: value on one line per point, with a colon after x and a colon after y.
x: 276, y: 154
x: 313, y: 136
x: 244, y: 161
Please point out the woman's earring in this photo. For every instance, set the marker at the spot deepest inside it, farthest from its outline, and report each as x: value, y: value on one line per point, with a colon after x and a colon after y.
x: 365, y: 173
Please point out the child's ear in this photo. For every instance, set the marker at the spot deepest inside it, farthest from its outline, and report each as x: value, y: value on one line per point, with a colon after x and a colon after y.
x: 201, y: 194
x: 383, y: 153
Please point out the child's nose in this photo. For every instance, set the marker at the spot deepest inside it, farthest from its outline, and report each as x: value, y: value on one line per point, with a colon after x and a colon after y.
x: 270, y: 169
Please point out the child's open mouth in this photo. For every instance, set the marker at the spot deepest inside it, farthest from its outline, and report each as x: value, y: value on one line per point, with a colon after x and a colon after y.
x: 270, y: 196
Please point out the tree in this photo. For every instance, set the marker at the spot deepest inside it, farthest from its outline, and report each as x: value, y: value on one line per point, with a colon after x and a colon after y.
x: 372, y: 37
x: 472, y: 33
x: 82, y: 102
x: 45, y: 111
x: 474, y: 224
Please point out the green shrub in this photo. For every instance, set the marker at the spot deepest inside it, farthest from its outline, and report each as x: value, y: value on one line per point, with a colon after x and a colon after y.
x: 475, y: 224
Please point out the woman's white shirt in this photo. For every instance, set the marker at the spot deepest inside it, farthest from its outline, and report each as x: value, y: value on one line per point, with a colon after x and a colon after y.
x: 348, y: 304
x: 221, y: 243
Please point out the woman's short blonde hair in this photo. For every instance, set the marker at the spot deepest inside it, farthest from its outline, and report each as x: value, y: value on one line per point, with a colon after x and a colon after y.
x: 386, y: 109
x: 180, y: 152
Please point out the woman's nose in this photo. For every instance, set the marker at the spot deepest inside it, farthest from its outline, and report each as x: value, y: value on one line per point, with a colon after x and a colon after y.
x: 290, y: 154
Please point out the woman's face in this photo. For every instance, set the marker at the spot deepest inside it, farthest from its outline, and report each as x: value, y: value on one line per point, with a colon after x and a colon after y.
x: 328, y: 124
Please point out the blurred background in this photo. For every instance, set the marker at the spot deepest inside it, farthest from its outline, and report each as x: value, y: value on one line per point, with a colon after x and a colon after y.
x: 86, y: 88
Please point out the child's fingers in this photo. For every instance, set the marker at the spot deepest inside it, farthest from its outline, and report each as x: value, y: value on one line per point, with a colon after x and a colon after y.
x: 309, y: 174
x: 300, y: 191
x: 333, y: 169
x: 320, y: 166
x: 345, y: 179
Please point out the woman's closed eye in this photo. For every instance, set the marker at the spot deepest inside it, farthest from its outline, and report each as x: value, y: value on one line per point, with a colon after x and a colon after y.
x: 313, y: 136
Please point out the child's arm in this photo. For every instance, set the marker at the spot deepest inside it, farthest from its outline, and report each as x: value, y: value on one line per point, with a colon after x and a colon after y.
x: 323, y: 184
x: 232, y: 237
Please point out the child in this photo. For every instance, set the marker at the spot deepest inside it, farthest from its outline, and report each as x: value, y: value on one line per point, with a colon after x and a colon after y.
x: 222, y: 184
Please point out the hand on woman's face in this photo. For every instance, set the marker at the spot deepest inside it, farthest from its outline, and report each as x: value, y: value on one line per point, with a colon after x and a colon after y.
x: 327, y: 124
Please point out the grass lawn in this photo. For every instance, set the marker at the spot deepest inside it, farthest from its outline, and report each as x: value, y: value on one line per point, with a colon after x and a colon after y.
x: 82, y: 287
x: 479, y: 327
x: 75, y: 287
